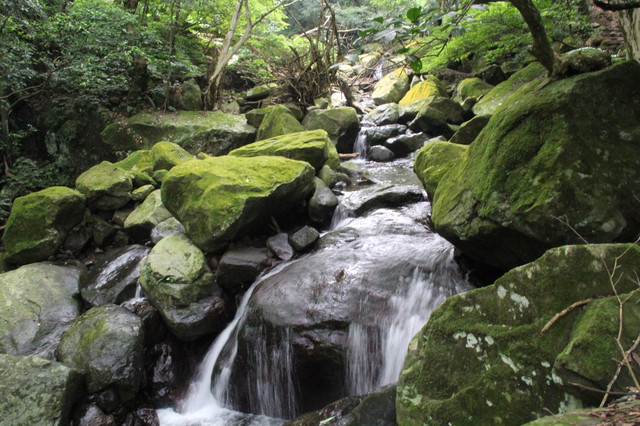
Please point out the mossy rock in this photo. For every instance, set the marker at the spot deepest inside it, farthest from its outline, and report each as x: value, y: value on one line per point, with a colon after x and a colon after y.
x: 341, y: 124
x: 178, y: 282
x: 472, y: 88
x: 431, y: 121
x: 548, y: 169
x: 147, y: 215
x: 492, y: 100
x: 166, y: 155
x: 37, y: 305
x: 482, y: 358
x: 278, y: 121
x: 36, y: 391
x: 190, y: 97
x: 434, y: 160
x: 469, y: 130
x: 40, y: 222
x: 621, y: 413
x: 140, y: 161
x: 213, y: 132
x: 106, y: 186
x: 312, y: 146
x: 431, y: 86
x: 391, y: 88
x: 106, y: 344
x: 220, y: 199
x: 259, y: 92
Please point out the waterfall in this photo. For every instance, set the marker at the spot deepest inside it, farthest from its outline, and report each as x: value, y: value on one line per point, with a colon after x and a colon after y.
x: 360, y: 146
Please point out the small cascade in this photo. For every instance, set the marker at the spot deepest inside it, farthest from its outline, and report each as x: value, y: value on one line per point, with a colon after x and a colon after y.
x: 360, y: 146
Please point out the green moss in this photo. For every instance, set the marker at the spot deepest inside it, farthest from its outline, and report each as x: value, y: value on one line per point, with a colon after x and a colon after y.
x: 472, y: 88
x: 434, y: 160
x: 140, y: 161
x: 106, y: 186
x: 391, y: 88
x: 278, y: 121
x: 166, y: 155
x: 431, y: 86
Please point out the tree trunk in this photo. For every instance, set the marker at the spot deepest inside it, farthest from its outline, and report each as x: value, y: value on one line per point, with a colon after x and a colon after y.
x: 541, y: 46
x: 630, y: 23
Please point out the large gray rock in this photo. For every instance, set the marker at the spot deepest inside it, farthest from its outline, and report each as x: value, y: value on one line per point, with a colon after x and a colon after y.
x: 178, y: 282
x: 147, y: 215
x: 239, y: 268
x: 106, y: 344
x: 340, y: 123
x: 37, y: 391
x: 376, y: 196
x: 322, y: 203
x: 106, y: 186
x: 37, y: 305
x: 383, y: 115
x: 40, y: 222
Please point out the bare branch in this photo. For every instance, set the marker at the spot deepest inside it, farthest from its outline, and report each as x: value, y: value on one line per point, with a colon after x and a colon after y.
x: 617, y: 6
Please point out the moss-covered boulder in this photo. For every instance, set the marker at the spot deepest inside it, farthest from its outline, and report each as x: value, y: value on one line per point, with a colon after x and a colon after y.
x: 178, y: 282
x: 434, y: 160
x: 40, y: 222
x: 278, y: 121
x: 549, y: 169
x: 147, y: 215
x: 313, y: 146
x: 431, y: 86
x: 391, y: 88
x: 483, y: 357
x: 382, y: 115
x: 431, y: 121
x: 166, y: 155
x: 472, y: 88
x: 341, y: 124
x: 492, y: 100
x: 106, y: 344
x: 106, y: 186
x: 220, y: 199
x: 621, y: 413
x: 259, y: 92
x: 469, y: 130
x: 36, y: 391
x: 213, y: 132
x: 37, y: 305
x: 140, y: 161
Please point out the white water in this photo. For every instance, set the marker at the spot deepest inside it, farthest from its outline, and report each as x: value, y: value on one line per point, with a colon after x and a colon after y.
x: 360, y: 146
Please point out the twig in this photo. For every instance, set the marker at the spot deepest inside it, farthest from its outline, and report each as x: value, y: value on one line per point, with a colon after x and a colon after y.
x: 578, y: 385
x: 618, y: 370
x: 564, y: 312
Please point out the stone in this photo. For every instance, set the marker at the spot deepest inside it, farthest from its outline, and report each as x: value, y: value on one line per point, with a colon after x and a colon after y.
x: 314, y: 147
x: 279, y: 246
x: 278, y: 121
x: 623, y: 412
x: 492, y: 74
x: 141, y: 193
x: 380, y: 153
x: 147, y: 215
x: 92, y: 415
x: 178, y: 282
x: 114, y: 277
x: 469, y: 131
x: 403, y: 145
x: 140, y: 161
x: 483, y: 357
x: 434, y: 161
x: 391, y: 88
x: 259, y: 92
x: 451, y: 109
x: 220, y: 199
x: 190, y: 97
x: 323, y: 202
x: 106, y: 344
x: 165, y: 228
x: 379, y: 135
x: 341, y: 124
x: 239, y: 268
x: 579, y: 61
x: 382, y: 115
x: 36, y: 391
x: 302, y: 239
x: 330, y: 177
x: 166, y: 155
x: 516, y: 193
x: 213, y: 132
x: 37, y: 304
x: 431, y: 121
x: 431, y: 86
x: 381, y: 195
x: 40, y: 222
x: 106, y: 186
x: 472, y: 88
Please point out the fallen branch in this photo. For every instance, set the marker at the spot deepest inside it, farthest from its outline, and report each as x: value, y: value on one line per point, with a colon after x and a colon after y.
x: 564, y: 312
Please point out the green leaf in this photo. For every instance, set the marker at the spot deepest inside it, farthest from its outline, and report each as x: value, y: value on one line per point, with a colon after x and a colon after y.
x: 378, y: 19
x: 416, y: 66
x: 414, y: 13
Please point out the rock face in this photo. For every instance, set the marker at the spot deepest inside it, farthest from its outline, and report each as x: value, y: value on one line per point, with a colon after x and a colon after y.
x: 470, y: 130
x: 507, y: 200
x: 434, y: 161
x: 214, y: 133
x: 178, y: 282
x: 36, y: 391
x: 106, y: 186
x: 220, y: 199
x: 340, y: 123
x: 106, y: 344
x: 40, y: 222
x: 483, y: 358
x: 37, y: 304
x: 391, y: 88
x: 278, y: 121
x: 313, y: 146
x: 431, y: 86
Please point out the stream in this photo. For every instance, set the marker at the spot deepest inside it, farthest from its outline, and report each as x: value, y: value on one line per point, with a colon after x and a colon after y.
x: 334, y: 322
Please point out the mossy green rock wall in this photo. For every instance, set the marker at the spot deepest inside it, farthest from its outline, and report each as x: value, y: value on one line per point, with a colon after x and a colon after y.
x: 434, y: 160
x: 106, y: 345
x: 312, y: 146
x: 220, y: 199
x: 36, y: 391
x: 106, y: 186
x: 278, y: 121
x: 213, y: 132
x: 555, y: 152
x: 482, y: 357
x: 391, y: 88
x: 40, y: 222
x: 37, y: 305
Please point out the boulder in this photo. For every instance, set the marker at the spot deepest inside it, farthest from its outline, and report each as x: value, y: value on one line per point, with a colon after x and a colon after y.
x: 190, y: 97
x: 382, y: 115
x: 147, y: 215
x: 220, y: 199
x: 340, y: 123
x: 213, y: 132
x: 259, y: 92
x: 391, y: 88
x: 403, y: 145
x: 302, y: 239
x: 516, y: 192
x: 314, y: 147
x: 178, y: 282
x: 114, y: 277
x: 470, y: 130
x: 431, y: 86
x: 239, y: 268
x: 434, y: 161
x: 279, y: 245
x: 492, y: 74
x: 379, y: 135
x: 106, y: 186
x: 141, y: 193
x: 330, y: 177
x: 278, y: 121
x: 37, y: 304
x: 492, y: 100
x: 40, y: 222
x: 623, y: 412
x: 140, y: 161
x: 165, y: 228
x: 586, y: 59
x: 384, y: 195
x: 323, y: 202
x: 36, y: 391
x: 380, y: 153
x: 472, y: 88
x: 451, y: 109
x: 106, y: 344
x: 431, y: 121
x: 166, y: 155
x: 494, y: 355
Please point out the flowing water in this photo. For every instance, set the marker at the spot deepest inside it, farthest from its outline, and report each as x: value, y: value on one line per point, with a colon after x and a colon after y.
x: 391, y: 306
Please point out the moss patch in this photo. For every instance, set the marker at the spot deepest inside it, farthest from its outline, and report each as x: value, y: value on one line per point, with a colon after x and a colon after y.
x: 434, y: 160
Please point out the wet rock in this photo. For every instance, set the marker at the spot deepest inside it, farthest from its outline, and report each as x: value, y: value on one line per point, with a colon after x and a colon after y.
x: 379, y: 135
x: 40, y: 222
x: 391, y: 88
x: 431, y: 121
x: 377, y: 196
x: 470, y: 130
x: 279, y: 246
x: 165, y: 228
x: 146, y: 216
x: 302, y: 239
x: 383, y: 115
x: 37, y: 305
x: 154, y: 328
x: 106, y: 344
x: 36, y: 391
x: 403, y: 145
x: 114, y: 277
x: 106, y: 186
x: 434, y: 161
x: 330, y: 177
x: 168, y: 373
x: 340, y: 123
x: 380, y: 153
x: 92, y: 415
x: 278, y: 121
x: 239, y: 268
x: 77, y: 240
x: 323, y: 202
x: 142, y: 417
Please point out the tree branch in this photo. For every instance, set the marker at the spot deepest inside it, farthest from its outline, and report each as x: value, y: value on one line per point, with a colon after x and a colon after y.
x: 617, y: 6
